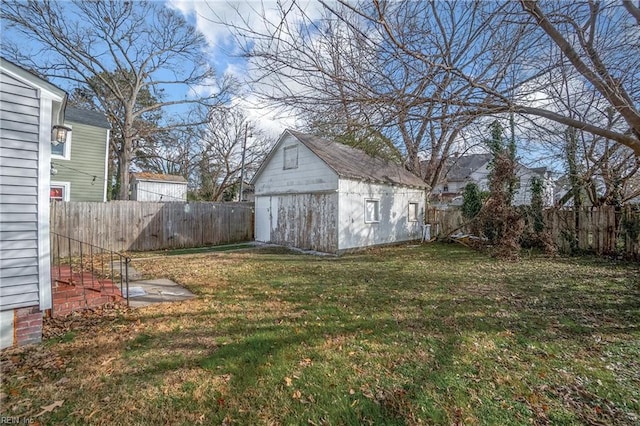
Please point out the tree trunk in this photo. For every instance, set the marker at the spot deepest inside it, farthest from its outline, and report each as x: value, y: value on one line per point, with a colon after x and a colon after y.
x: 124, y: 158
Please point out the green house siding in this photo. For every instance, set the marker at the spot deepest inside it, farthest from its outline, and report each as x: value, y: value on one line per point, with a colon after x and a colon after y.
x: 87, y: 159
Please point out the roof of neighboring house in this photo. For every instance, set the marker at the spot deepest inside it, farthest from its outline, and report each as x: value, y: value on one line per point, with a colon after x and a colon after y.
x: 146, y: 176
x: 85, y: 116
x: 353, y: 163
x: 539, y: 170
x: 461, y: 167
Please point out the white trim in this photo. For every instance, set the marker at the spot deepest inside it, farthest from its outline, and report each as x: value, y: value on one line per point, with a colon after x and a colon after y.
x: 106, y: 167
x: 44, y: 180
x: 6, y: 328
x: 67, y: 188
x: 417, y: 211
x: 66, y: 146
x: 46, y: 89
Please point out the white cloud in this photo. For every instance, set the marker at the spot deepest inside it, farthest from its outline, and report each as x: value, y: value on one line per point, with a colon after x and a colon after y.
x: 216, y: 20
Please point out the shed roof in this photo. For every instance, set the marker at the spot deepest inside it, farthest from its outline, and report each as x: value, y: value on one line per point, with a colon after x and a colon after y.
x: 353, y: 163
x: 146, y: 176
x: 86, y: 116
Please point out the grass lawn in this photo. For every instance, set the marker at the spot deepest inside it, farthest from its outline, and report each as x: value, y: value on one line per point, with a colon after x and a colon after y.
x: 433, y: 334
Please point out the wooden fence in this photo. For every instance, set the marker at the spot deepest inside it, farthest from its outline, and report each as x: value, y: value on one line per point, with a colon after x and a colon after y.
x: 601, y: 230
x: 141, y: 226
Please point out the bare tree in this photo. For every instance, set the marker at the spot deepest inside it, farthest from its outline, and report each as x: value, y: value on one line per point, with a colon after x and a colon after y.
x: 227, y: 144
x: 118, y: 50
x: 598, y: 168
x: 600, y: 40
x: 343, y: 74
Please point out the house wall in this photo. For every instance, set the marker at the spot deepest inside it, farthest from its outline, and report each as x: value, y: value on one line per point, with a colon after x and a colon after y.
x: 158, y: 191
x: 480, y: 176
x: 523, y: 194
x: 311, y: 175
x: 25, y: 131
x: 87, y: 159
x: 393, y: 226
x: 19, y: 151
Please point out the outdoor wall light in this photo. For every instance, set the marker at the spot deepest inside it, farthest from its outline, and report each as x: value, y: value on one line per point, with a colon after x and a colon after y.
x: 54, y: 171
x: 59, y: 134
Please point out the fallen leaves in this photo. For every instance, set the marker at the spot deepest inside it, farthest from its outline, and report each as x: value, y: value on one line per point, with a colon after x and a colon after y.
x: 84, y: 320
x: 32, y: 360
x: 302, y: 398
x: 49, y: 408
x: 306, y: 362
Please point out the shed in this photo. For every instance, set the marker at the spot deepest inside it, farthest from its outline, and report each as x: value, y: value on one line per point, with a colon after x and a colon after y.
x: 158, y: 187
x: 29, y: 108
x: 317, y: 194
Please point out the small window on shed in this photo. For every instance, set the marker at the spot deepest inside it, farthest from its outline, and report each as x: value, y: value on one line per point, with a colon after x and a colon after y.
x: 371, y: 211
x: 413, y: 212
x: 291, y: 157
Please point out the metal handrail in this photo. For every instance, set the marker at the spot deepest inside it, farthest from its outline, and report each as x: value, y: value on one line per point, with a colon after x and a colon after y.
x: 72, y: 252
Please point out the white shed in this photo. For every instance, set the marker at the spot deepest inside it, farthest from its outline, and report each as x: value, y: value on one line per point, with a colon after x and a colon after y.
x: 158, y: 187
x: 29, y: 108
x: 316, y: 194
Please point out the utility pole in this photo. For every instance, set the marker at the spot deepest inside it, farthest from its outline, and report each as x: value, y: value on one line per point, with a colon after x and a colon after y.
x: 244, y: 148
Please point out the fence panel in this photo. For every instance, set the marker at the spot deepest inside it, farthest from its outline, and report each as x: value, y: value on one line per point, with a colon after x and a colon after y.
x: 142, y: 226
x: 602, y: 230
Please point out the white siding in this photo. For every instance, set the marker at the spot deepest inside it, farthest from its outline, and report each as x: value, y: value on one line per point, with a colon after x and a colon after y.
x: 19, y: 159
x: 159, y: 191
x: 311, y: 175
x: 394, y: 225
x: 523, y: 194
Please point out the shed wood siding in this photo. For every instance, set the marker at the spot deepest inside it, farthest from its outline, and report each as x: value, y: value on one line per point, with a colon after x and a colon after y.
x: 311, y: 175
x: 394, y: 225
x: 19, y: 149
x: 159, y: 191
x: 306, y: 221
x: 88, y: 147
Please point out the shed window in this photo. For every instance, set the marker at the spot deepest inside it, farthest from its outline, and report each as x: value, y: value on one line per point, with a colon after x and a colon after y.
x: 291, y: 157
x: 413, y: 212
x: 372, y: 211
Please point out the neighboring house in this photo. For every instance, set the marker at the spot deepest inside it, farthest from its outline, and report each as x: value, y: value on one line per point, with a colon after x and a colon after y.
x: 80, y: 165
x: 564, y: 198
x: 321, y: 195
x: 158, y: 187
x: 29, y: 109
x: 475, y: 168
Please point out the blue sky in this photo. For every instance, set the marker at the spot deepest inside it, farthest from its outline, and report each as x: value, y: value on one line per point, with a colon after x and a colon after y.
x: 210, y: 17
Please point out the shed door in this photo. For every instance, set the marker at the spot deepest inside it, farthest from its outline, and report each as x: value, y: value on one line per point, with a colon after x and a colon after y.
x: 263, y: 219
